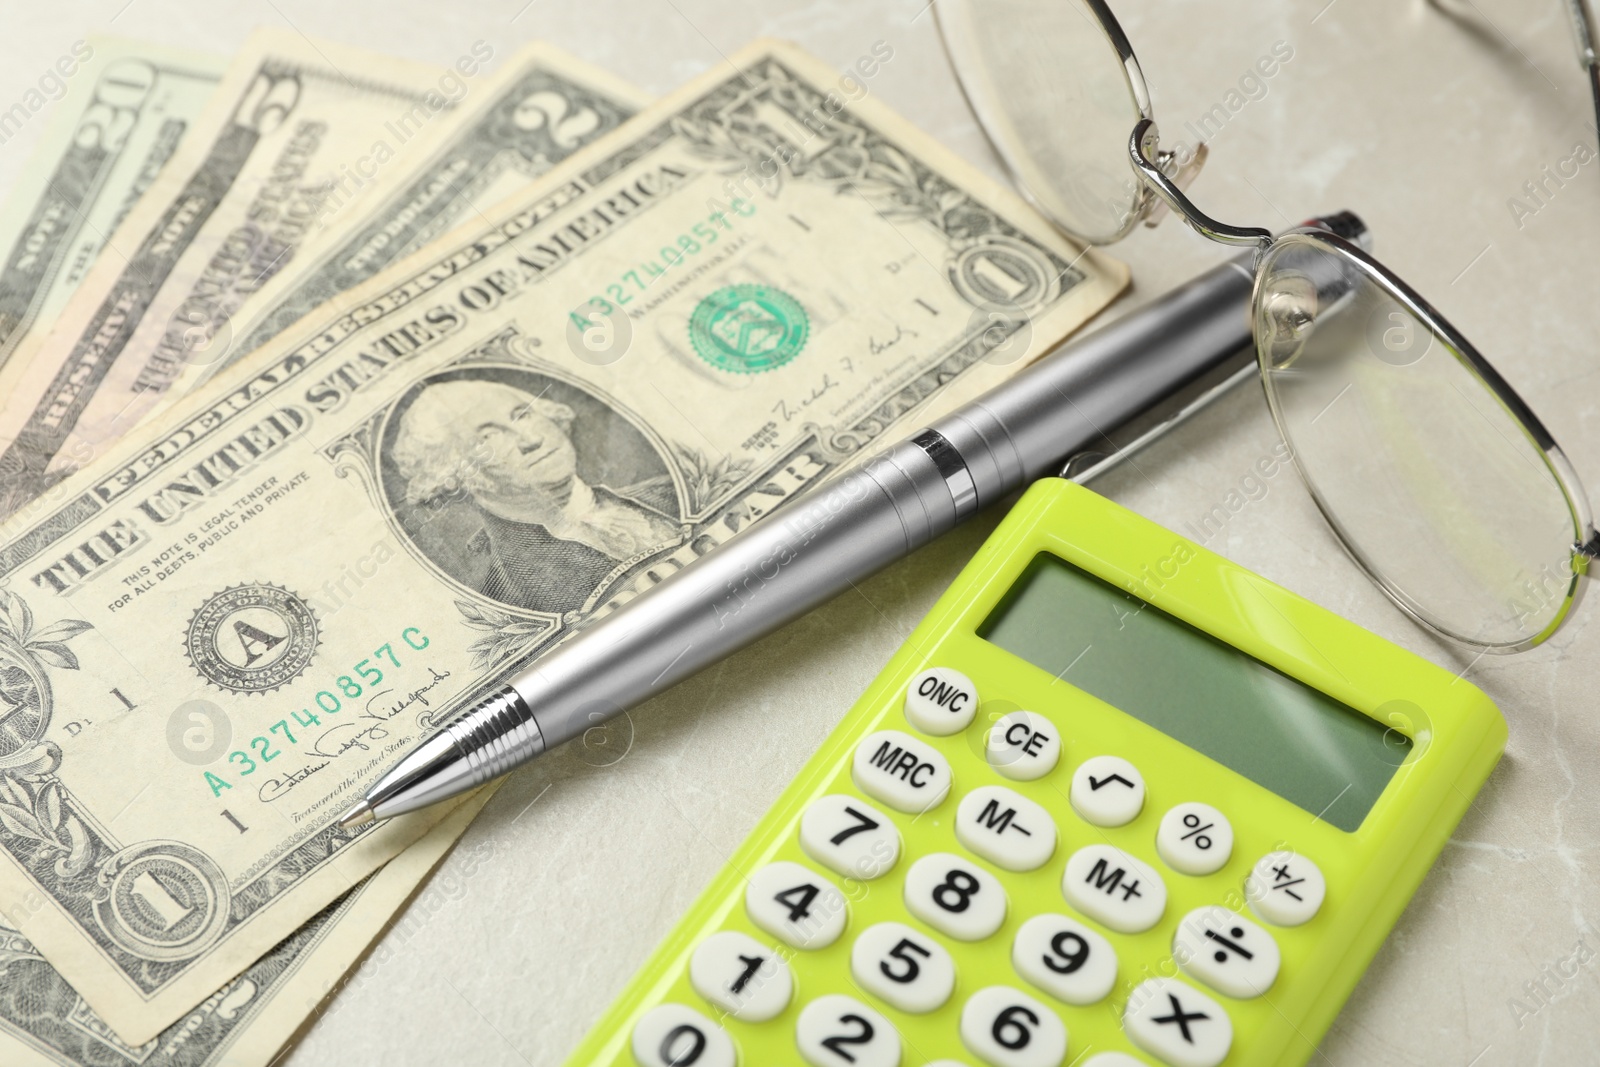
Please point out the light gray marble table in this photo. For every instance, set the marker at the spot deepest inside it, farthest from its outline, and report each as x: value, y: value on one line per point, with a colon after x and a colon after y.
x: 1428, y: 124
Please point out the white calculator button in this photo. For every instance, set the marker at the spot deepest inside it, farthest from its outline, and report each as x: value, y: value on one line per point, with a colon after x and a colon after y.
x: 1114, y: 889
x: 1006, y: 828
x: 1194, y: 838
x: 941, y: 701
x: 1113, y: 1059
x: 671, y: 1034
x: 909, y: 970
x: 904, y: 773
x: 1227, y: 952
x: 1285, y: 888
x: 741, y: 976
x: 955, y: 897
x: 1178, y: 1024
x: 1065, y: 958
x: 1008, y: 1028
x: 1023, y: 746
x: 840, y: 1031
x: 796, y: 905
x: 1107, y: 791
x: 849, y: 836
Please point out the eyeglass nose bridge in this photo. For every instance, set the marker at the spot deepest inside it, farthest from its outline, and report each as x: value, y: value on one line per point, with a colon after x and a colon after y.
x: 1182, y: 171
x: 1144, y: 149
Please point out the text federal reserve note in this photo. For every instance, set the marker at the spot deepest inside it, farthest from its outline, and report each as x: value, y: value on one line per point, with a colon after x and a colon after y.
x: 267, y: 162
x: 539, y: 108
x: 45, y: 1023
x: 444, y: 470
x: 125, y: 106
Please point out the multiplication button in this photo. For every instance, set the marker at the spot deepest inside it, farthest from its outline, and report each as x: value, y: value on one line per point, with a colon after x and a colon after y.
x: 1285, y: 888
x: 672, y: 1034
x: 1107, y: 791
x: 1005, y: 828
x: 1227, y: 952
x: 1195, y: 838
x: 908, y: 969
x: 902, y: 772
x: 840, y: 1031
x: 1023, y: 746
x: 849, y: 836
x: 741, y: 976
x: 941, y: 701
x: 1177, y: 1023
x: 1114, y: 888
x: 1065, y: 958
x: 1007, y: 1028
x: 797, y: 906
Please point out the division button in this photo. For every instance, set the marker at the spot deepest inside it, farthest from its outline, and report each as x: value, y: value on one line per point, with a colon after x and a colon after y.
x: 1007, y: 1028
x: 1114, y: 889
x: 1194, y: 838
x: 740, y: 975
x: 1107, y: 791
x: 840, y: 1031
x: 849, y: 837
x: 1177, y: 1024
x: 941, y: 701
x: 1285, y: 888
x: 902, y: 772
x: 672, y: 1034
x: 796, y: 905
x: 1023, y: 746
x: 1227, y: 952
x: 1005, y: 828
x: 956, y: 898
x: 1065, y: 958
x: 909, y: 970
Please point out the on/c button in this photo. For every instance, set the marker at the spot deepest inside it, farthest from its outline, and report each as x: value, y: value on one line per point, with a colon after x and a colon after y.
x: 902, y: 772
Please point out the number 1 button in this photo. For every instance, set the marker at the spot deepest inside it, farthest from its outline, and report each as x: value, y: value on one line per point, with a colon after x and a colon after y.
x: 1007, y: 1028
x: 840, y: 1031
x: 741, y: 976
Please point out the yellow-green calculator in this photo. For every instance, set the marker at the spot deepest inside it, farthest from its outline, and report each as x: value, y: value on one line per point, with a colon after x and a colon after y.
x: 1117, y: 801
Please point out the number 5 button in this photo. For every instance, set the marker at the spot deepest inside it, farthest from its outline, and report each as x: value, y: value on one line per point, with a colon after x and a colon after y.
x: 909, y: 970
x: 1006, y: 1028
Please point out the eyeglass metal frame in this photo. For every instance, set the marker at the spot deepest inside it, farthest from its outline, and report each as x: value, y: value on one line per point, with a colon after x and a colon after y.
x: 1160, y: 181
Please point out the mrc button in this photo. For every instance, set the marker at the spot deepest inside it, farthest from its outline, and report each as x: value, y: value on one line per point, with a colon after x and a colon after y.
x: 941, y: 701
x: 902, y: 772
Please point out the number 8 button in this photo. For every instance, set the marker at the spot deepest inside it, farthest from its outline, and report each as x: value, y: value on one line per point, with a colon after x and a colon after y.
x: 955, y: 897
x: 1006, y: 1028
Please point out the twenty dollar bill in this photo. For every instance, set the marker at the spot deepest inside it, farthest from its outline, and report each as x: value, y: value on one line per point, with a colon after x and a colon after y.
x: 446, y: 469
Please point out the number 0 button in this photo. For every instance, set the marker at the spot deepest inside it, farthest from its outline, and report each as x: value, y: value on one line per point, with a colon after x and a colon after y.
x: 840, y: 1031
x: 795, y: 904
x: 672, y: 1035
x: 909, y: 970
x: 956, y: 898
x: 1007, y: 1028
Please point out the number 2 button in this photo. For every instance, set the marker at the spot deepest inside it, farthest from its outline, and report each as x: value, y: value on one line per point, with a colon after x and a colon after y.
x: 1007, y: 1028
x: 840, y: 1031
x: 797, y: 905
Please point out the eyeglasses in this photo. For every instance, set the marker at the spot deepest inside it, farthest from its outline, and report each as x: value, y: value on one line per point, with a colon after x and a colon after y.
x: 1435, y: 476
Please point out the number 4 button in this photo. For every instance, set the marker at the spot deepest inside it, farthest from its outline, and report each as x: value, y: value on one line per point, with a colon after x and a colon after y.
x: 797, y: 905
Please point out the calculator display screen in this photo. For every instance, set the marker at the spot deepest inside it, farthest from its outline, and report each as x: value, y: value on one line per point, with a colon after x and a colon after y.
x: 1302, y: 744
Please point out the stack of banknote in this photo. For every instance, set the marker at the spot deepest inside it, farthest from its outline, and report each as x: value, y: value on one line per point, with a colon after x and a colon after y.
x: 335, y: 386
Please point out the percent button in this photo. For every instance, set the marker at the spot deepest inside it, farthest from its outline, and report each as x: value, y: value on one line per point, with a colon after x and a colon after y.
x: 1194, y: 838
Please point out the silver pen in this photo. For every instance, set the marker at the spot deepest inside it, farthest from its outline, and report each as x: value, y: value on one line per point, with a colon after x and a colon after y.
x: 884, y: 510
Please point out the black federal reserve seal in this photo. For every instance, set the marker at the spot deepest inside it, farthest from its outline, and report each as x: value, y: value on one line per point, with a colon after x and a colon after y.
x: 252, y: 638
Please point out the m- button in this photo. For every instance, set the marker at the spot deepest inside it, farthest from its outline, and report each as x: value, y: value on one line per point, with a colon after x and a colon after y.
x: 902, y: 772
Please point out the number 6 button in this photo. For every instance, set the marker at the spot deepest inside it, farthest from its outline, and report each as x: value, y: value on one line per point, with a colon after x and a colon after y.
x: 840, y: 1031
x: 909, y: 970
x: 1006, y: 1028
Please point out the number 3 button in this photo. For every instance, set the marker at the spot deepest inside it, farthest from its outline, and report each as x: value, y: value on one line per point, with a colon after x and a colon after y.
x: 909, y: 970
x: 840, y: 1031
x: 1006, y: 1028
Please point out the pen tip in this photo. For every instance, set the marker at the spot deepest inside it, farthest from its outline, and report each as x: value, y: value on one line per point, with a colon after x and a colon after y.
x: 359, y: 815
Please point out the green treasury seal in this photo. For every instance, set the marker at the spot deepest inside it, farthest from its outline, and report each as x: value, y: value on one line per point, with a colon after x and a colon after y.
x: 748, y: 328
x: 252, y: 638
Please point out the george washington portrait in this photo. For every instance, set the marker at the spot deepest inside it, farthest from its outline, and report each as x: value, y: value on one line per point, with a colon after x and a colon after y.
x: 524, y: 487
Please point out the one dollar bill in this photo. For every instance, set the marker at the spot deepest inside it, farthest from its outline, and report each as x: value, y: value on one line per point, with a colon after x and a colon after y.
x: 126, y: 109
x: 447, y: 469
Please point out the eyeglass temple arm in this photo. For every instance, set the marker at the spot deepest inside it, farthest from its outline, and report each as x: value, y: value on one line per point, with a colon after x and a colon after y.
x: 1588, y: 49
x: 1144, y: 147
